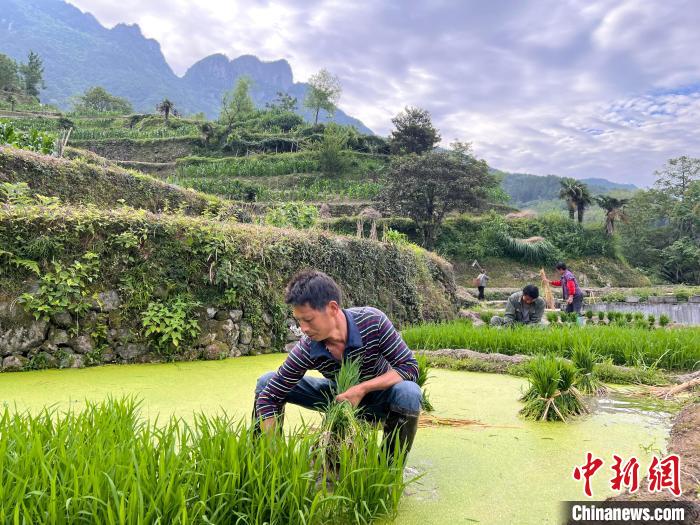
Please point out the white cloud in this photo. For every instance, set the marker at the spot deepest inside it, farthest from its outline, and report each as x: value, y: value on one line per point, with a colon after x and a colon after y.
x: 573, y: 87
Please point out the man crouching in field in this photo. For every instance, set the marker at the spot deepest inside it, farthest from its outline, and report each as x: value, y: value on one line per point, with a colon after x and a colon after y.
x: 524, y: 307
x: 387, y: 390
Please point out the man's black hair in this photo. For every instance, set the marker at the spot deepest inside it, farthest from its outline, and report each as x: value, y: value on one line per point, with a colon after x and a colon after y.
x: 560, y: 266
x: 531, y: 291
x: 313, y: 288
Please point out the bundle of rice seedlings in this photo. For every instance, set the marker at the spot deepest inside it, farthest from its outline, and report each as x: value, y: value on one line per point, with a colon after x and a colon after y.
x: 423, y: 376
x: 341, y: 425
x: 552, y: 395
x: 548, y: 296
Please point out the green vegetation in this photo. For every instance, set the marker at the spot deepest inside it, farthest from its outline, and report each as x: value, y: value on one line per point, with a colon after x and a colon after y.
x: 107, y: 465
x: 669, y: 349
x: 584, y: 360
x: 551, y: 394
x: 664, y: 224
x: 32, y: 140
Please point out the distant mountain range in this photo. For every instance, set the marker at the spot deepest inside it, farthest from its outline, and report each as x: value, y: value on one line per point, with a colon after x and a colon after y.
x: 526, y: 189
x: 79, y: 53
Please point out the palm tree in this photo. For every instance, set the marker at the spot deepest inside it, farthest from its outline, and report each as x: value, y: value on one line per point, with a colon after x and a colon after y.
x: 583, y: 199
x: 166, y: 107
x: 614, y: 210
x: 568, y: 193
x: 577, y: 196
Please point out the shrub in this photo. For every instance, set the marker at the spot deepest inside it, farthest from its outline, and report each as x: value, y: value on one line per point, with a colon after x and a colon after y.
x: 664, y: 319
x: 168, y: 324
x: 292, y: 215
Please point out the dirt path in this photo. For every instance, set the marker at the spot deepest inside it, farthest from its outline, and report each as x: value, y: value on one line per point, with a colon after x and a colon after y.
x: 684, y: 440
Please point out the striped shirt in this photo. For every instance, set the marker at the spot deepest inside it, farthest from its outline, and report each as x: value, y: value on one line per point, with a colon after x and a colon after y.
x: 371, y: 338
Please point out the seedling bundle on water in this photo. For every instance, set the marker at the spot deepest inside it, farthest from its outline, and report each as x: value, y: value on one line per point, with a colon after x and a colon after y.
x: 552, y: 395
x: 587, y: 381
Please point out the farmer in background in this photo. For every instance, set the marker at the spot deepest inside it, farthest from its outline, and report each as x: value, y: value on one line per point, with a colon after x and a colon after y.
x: 569, y: 287
x: 481, y: 281
x: 524, y: 307
x: 387, y: 390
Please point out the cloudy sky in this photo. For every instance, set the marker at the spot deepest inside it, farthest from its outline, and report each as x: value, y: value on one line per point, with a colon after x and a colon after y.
x: 584, y: 88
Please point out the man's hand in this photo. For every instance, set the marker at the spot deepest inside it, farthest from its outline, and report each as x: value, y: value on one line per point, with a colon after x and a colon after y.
x: 570, y: 300
x: 352, y: 395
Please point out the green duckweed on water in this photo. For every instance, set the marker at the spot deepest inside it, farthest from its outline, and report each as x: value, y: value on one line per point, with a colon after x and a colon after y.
x: 504, y: 470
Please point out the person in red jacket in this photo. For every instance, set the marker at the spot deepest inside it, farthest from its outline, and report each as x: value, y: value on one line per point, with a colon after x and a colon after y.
x: 569, y: 287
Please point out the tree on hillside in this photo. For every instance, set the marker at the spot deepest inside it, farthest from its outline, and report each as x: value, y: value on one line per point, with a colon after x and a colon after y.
x: 614, y: 210
x: 284, y: 103
x: 13, y: 101
x: 32, y: 74
x: 324, y: 93
x: 577, y: 196
x: 98, y: 100
x: 675, y: 177
x: 9, y: 74
x: 166, y: 107
x: 427, y: 187
x: 414, y: 132
x: 237, y: 103
x: 330, y: 150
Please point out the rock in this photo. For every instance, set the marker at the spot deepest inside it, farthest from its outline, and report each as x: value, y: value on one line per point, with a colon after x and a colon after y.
x: 108, y: 301
x: 65, y: 357
x: 695, y: 299
x: 262, y: 341
x: 216, y: 350
x: 131, y: 351
x: 246, y: 335
x: 235, y: 315
x: 656, y: 299
x: 227, y: 326
x: 220, y: 315
x: 13, y: 363
x: 77, y: 361
x: 82, y: 344
x: 19, y: 331
x: 117, y: 335
x: 22, y: 338
x: 211, y: 312
x: 632, y: 299
x: 464, y: 298
x: 206, y: 338
x: 108, y: 356
x: 267, y: 318
x: 58, y: 337
x: 475, y: 318
x: 42, y: 360
x: 62, y: 319
x: 670, y: 299
x: 243, y: 349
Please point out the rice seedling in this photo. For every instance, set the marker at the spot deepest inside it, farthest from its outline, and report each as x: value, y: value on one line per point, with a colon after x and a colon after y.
x: 423, y: 376
x: 629, y: 316
x: 652, y: 320
x: 341, y: 425
x: 552, y: 317
x: 589, y: 314
x: 601, y: 316
x: 106, y: 465
x: 675, y: 349
x: 584, y: 361
x: 664, y: 320
x: 486, y: 316
x: 551, y: 395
